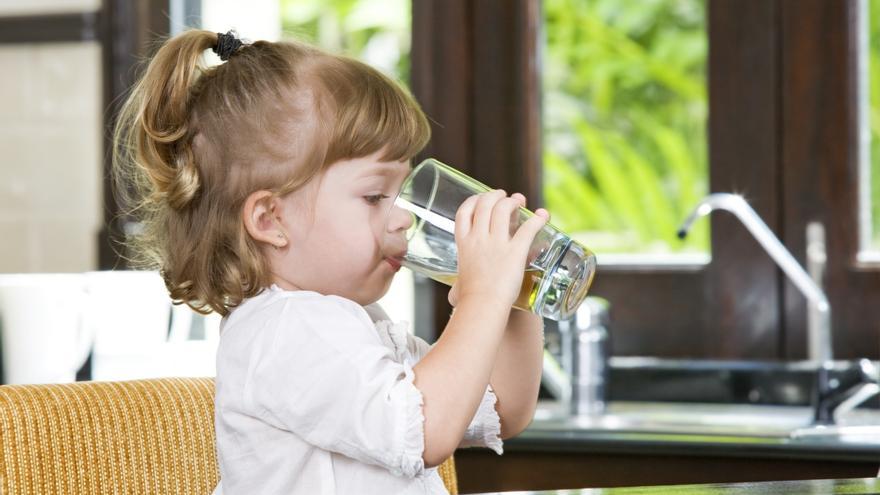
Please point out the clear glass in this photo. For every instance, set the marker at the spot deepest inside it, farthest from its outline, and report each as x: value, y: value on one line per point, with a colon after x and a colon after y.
x: 625, y: 113
x: 559, y: 270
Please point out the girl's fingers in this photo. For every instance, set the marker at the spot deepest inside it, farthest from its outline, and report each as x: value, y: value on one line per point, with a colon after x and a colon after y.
x: 502, y: 216
x: 464, y: 216
x: 528, y: 230
x: 483, y: 210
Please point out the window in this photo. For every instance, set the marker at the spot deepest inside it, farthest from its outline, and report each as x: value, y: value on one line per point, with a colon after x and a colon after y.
x: 782, y: 130
x: 624, y: 123
x: 375, y: 31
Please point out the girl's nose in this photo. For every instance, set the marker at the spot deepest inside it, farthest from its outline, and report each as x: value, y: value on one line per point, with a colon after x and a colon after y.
x: 399, y: 219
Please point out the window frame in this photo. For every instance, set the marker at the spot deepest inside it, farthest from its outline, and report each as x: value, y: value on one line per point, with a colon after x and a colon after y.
x: 821, y: 164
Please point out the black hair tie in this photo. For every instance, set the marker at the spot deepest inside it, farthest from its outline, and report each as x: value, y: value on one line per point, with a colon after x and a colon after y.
x: 226, y: 45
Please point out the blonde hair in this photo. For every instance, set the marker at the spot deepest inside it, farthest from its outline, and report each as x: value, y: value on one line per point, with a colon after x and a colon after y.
x: 192, y: 142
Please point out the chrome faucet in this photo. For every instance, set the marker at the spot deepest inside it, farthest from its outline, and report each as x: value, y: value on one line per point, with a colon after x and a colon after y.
x: 579, y: 379
x: 819, y: 348
x: 831, y: 398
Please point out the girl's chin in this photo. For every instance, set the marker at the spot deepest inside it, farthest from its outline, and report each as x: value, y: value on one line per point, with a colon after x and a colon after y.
x: 370, y: 296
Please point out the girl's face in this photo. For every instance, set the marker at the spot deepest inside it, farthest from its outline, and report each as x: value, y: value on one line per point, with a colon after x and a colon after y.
x: 343, y: 240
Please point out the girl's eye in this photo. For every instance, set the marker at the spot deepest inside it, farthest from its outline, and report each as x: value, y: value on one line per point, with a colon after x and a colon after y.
x: 374, y: 199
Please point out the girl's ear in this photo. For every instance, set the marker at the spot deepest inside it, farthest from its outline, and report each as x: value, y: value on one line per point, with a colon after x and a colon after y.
x: 260, y: 218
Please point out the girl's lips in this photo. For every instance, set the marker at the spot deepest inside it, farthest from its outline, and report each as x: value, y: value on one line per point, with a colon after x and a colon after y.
x: 395, y: 264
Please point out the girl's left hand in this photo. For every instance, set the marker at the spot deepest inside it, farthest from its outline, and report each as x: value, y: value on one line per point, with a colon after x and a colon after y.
x: 453, y: 291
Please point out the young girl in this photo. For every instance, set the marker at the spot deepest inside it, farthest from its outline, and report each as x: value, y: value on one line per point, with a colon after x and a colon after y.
x: 265, y: 185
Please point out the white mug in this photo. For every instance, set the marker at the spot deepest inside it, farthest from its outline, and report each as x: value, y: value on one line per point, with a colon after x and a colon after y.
x: 139, y: 334
x: 43, y: 327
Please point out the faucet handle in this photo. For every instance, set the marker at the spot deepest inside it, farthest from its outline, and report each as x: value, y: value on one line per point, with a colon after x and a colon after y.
x: 869, y: 370
x: 839, y: 391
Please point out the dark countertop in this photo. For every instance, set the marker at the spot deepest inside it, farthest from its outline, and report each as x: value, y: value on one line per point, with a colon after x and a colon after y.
x: 696, y: 445
x: 812, y: 487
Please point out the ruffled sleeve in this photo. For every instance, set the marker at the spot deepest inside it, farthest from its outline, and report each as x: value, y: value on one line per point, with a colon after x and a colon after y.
x: 322, y: 373
x: 485, y: 429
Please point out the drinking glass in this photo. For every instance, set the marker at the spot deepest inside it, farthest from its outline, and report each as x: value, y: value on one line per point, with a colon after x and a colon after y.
x: 558, y: 272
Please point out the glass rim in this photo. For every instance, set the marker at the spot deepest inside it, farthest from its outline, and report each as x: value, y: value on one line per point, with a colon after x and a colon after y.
x: 418, y: 221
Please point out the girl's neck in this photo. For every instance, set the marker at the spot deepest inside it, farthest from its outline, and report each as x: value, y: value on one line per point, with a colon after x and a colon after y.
x: 283, y: 283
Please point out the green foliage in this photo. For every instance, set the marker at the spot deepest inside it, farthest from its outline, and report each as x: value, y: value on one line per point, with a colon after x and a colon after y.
x: 375, y: 31
x: 625, y: 121
x: 873, y: 59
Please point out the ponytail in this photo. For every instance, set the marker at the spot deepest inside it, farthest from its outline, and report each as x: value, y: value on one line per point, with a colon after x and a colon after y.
x: 154, y: 123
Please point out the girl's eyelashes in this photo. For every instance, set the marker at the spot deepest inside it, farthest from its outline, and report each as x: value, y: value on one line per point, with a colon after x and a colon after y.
x: 374, y: 199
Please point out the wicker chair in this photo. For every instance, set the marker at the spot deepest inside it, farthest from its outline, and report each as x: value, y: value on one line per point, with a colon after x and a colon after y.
x: 140, y: 437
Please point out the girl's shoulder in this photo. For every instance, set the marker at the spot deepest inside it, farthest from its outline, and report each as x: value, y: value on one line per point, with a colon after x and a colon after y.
x: 276, y: 299
x: 306, y: 311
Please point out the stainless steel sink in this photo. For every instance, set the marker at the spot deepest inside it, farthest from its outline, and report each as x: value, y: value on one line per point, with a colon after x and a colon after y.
x: 782, y: 423
x: 676, y: 418
x: 748, y: 401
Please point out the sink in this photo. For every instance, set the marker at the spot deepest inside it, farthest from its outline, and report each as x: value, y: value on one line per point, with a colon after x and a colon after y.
x: 742, y: 400
x: 740, y: 420
x: 773, y: 383
x: 714, y: 421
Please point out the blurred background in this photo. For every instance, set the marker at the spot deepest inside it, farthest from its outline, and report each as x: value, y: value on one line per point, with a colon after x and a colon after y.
x: 616, y: 116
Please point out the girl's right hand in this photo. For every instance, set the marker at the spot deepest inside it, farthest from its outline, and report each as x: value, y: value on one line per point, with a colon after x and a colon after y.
x: 491, y: 261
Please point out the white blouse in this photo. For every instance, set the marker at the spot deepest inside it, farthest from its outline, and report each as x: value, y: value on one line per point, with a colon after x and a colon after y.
x: 315, y: 395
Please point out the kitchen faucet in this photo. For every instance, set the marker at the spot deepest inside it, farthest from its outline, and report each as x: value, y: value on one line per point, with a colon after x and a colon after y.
x: 832, y: 396
x: 580, y: 378
x: 819, y: 310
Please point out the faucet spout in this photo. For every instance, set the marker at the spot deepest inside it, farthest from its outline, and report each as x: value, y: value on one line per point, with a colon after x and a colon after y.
x: 819, y: 316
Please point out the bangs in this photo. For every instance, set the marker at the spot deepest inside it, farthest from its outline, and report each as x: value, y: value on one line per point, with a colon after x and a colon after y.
x: 369, y: 112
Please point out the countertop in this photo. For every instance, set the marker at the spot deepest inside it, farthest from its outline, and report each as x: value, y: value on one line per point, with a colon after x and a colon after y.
x: 812, y: 487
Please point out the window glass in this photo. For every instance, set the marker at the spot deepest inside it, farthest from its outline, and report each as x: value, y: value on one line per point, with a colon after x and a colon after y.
x: 374, y: 31
x: 871, y: 121
x: 625, y: 113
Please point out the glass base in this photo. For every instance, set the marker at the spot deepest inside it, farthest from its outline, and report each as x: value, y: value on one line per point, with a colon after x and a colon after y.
x: 566, y: 283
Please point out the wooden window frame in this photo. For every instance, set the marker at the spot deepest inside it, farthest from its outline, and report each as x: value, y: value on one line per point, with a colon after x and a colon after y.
x: 821, y: 168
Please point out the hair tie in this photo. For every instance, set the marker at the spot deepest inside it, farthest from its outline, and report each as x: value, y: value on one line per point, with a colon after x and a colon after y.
x: 226, y: 45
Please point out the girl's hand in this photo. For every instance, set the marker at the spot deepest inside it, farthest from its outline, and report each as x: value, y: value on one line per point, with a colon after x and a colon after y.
x: 491, y: 261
